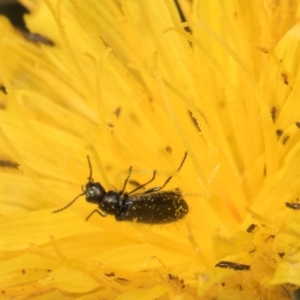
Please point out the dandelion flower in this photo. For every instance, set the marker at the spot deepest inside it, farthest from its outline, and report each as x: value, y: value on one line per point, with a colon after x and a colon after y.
x: 139, y: 83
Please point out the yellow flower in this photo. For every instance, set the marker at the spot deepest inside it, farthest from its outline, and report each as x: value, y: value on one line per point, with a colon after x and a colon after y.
x: 139, y: 83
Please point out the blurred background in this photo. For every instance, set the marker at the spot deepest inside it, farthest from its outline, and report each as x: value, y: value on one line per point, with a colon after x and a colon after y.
x: 14, y: 11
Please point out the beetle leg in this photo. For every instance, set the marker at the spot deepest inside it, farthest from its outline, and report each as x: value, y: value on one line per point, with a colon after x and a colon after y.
x: 97, y: 211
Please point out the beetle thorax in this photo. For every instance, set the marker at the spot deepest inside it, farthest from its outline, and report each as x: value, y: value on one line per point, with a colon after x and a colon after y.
x: 111, y: 203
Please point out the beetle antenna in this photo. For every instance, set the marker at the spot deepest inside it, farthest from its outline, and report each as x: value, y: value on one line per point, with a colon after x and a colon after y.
x: 56, y: 211
x: 90, y: 178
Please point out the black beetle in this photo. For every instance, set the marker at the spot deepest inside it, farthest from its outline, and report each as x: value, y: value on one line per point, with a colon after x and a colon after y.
x: 152, y: 206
